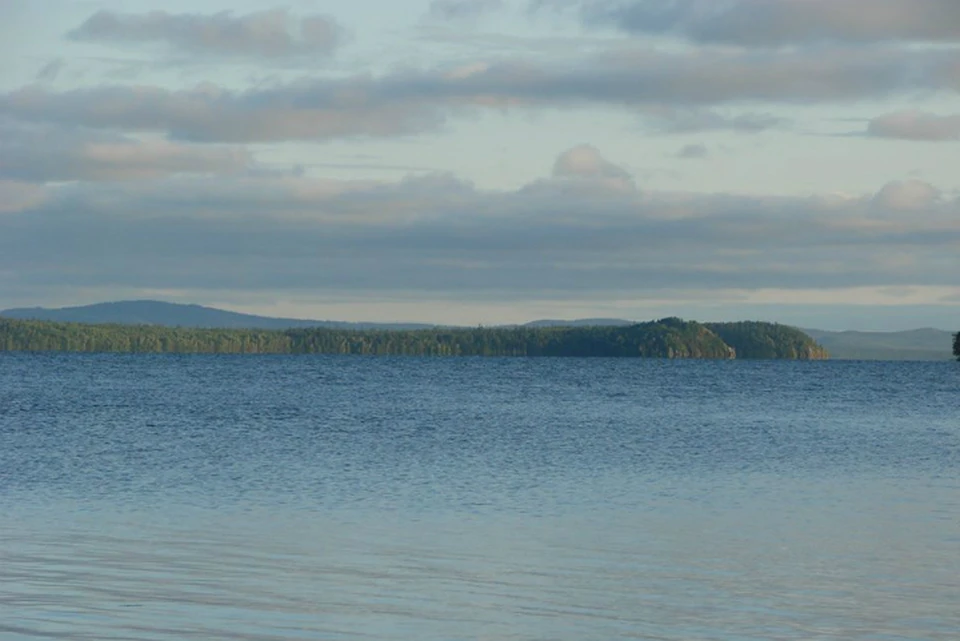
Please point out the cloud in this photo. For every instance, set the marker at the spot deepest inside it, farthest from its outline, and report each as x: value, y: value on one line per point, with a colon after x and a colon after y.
x: 772, y: 23
x: 38, y: 153
x: 676, y: 120
x: 415, y: 101
x: 273, y: 33
x: 16, y: 196
x: 434, y: 235
x: 915, y: 125
x: 582, y: 170
x: 463, y: 9
x: 50, y: 71
x: 693, y: 151
x: 585, y: 161
x: 207, y: 113
x: 906, y: 195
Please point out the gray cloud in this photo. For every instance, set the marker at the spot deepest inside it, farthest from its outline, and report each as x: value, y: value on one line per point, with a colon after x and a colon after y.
x: 437, y: 236
x: 463, y: 9
x: 39, y: 153
x: 693, y: 151
x: 676, y: 120
x: 17, y: 196
x: 207, y: 113
x: 269, y: 34
x: 778, y: 22
x: 51, y: 70
x: 915, y: 125
x: 406, y: 102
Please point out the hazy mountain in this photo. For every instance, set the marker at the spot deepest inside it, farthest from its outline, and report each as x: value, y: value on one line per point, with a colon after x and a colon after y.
x: 151, y: 312
x: 912, y: 345
x: 581, y: 322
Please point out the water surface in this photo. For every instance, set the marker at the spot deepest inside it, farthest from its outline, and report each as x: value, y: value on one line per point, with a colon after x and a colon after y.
x: 242, y: 497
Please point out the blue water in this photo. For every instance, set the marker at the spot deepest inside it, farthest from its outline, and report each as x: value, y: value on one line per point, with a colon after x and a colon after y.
x: 274, y: 498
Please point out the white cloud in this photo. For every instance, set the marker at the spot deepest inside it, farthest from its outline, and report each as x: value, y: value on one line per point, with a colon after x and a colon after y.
x: 585, y: 161
x: 907, y: 195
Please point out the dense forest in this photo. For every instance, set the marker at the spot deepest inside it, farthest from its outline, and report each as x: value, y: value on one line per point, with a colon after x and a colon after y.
x: 753, y: 339
x: 665, y: 338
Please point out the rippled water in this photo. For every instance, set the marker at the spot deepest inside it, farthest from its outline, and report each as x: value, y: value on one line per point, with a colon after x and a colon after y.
x: 219, y: 497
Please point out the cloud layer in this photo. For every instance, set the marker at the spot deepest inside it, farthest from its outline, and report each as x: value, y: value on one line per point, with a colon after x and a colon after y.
x: 915, y: 125
x: 769, y: 23
x: 677, y: 85
x: 577, y: 231
x: 268, y: 34
x: 158, y: 185
x: 41, y: 153
x: 463, y: 9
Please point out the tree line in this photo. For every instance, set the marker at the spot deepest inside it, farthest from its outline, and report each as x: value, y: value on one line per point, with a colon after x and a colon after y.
x: 757, y: 340
x: 664, y: 338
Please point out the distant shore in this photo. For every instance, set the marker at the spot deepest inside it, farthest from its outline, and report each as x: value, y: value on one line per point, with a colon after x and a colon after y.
x: 665, y: 338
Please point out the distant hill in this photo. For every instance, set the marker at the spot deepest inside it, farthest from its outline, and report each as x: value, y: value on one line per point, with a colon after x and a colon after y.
x: 581, y: 322
x: 151, y: 312
x: 912, y: 345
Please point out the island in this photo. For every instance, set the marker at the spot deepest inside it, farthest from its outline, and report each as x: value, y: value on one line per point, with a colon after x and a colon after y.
x: 664, y: 338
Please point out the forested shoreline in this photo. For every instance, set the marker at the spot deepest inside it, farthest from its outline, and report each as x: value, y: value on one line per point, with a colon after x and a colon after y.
x: 665, y: 338
x: 757, y: 340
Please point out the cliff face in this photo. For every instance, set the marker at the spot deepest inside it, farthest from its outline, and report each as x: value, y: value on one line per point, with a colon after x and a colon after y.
x: 752, y: 339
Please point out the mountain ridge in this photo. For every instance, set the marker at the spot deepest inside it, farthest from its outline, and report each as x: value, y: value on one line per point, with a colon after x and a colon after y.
x: 923, y: 344
x: 164, y: 314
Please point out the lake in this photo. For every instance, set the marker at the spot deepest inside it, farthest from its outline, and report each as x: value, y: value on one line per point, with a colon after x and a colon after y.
x: 161, y: 497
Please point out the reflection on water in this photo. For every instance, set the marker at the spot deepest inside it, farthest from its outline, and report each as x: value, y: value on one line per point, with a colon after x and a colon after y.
x: 223, y: 498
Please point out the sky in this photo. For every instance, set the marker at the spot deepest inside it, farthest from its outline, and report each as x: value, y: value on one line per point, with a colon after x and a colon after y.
x: 486, y: 161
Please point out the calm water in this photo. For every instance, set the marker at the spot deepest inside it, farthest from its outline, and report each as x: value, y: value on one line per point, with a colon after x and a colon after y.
x: 269, y: 498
